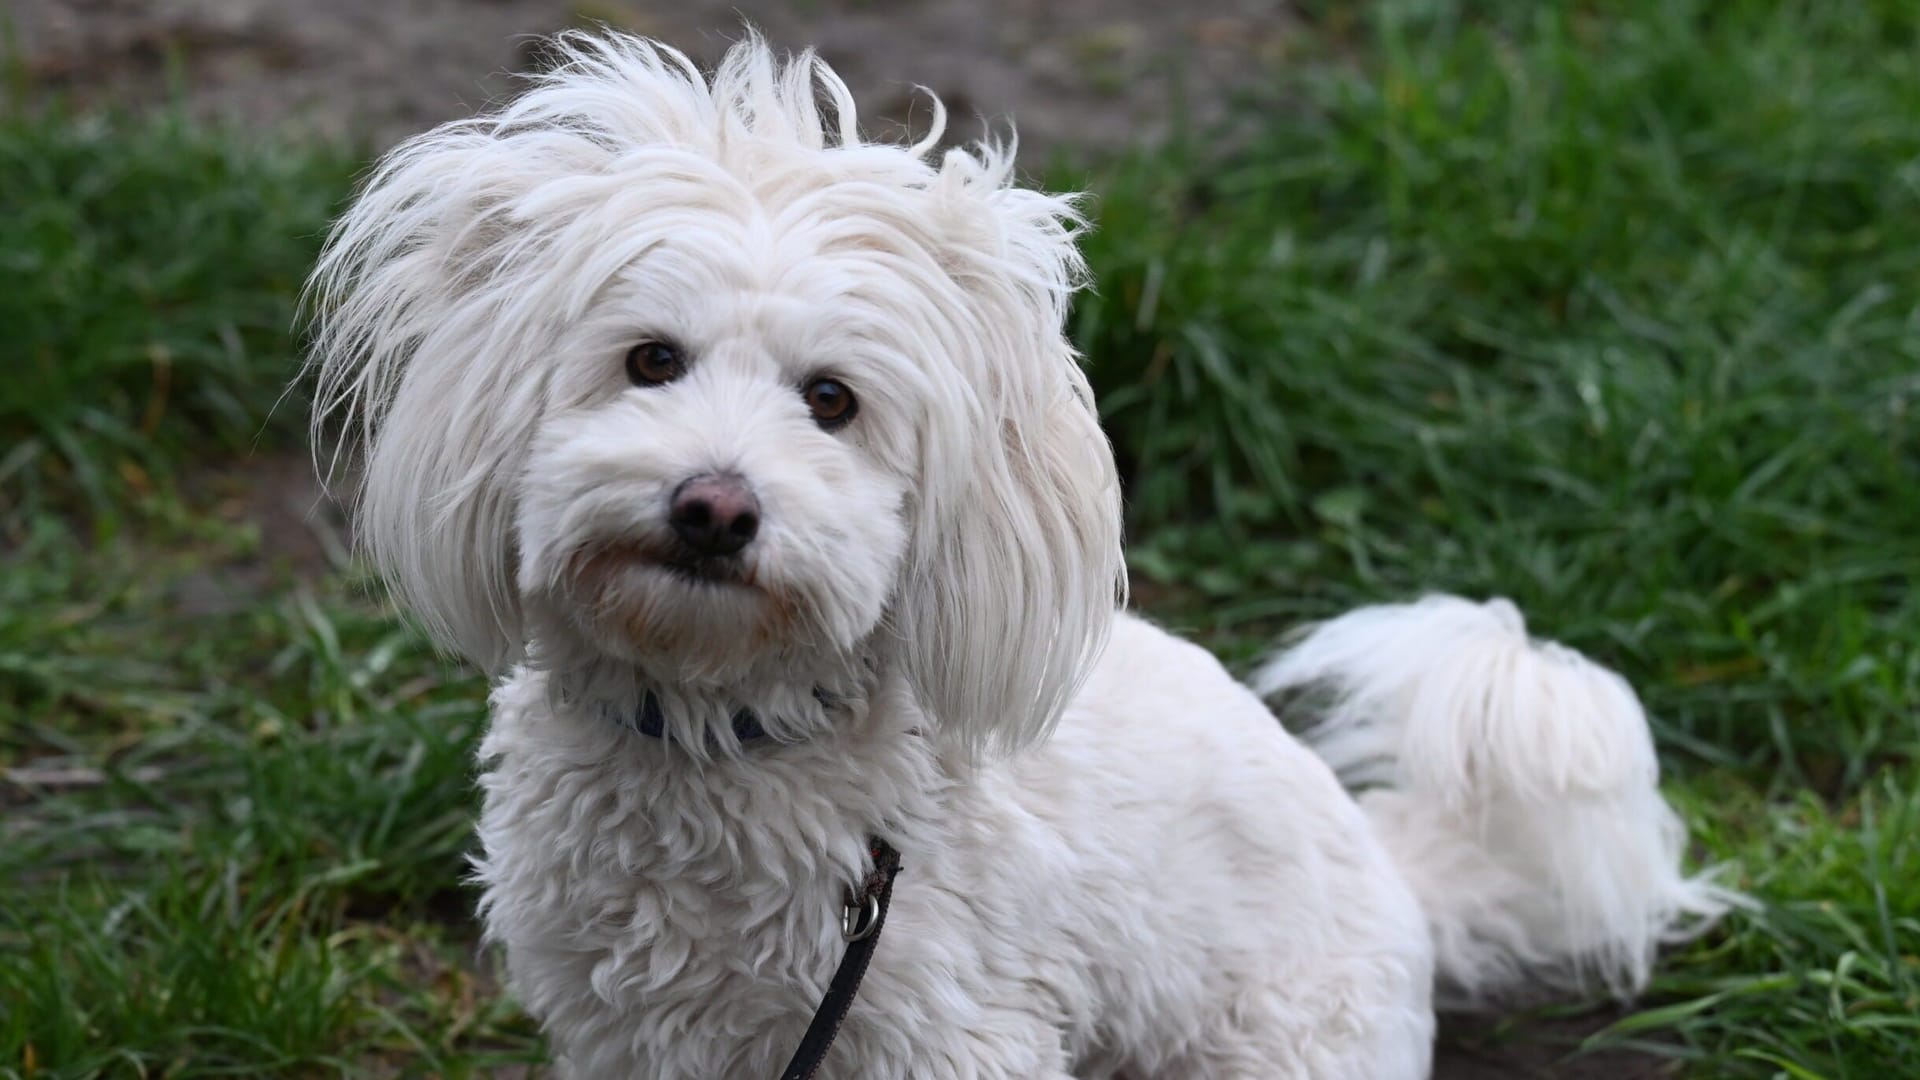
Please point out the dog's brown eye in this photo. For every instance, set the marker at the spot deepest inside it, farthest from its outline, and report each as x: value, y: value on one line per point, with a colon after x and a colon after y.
x: 830, y: 402
x: 654, y: 363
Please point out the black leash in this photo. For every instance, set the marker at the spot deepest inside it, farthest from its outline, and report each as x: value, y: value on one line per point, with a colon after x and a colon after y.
x: 860, y: 924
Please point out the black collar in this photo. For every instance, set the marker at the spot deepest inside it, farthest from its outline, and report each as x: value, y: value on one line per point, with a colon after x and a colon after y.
x: 651, y: 720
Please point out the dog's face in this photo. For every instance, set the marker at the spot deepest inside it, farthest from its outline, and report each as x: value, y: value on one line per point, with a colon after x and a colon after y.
x: 724, y: 465
x: 656, y: 367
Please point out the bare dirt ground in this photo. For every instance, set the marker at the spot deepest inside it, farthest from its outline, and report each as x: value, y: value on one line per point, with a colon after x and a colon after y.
x: 1087, y: 72
x: 1091, y: 74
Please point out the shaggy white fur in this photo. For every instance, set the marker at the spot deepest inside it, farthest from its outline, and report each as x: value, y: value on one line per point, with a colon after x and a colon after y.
x: 1116, y: 860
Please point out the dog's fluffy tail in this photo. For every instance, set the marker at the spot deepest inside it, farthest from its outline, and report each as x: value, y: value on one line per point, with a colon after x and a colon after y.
x: 1515, y: 785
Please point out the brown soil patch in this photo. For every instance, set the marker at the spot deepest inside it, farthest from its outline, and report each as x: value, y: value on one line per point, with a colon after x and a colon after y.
x: 1086, y: 72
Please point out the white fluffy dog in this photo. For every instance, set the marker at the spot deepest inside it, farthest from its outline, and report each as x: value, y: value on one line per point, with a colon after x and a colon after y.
x: 753, y: 456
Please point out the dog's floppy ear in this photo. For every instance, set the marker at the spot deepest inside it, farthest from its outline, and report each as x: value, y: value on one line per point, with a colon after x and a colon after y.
x: 1016, y: 571
x: 416, y: 348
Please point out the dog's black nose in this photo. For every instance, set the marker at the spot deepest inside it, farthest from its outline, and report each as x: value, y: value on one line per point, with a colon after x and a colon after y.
x: 714, y: 514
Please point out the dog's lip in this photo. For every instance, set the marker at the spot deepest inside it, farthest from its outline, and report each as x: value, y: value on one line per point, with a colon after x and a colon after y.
x: 707, y: 570
x: 680, y: 563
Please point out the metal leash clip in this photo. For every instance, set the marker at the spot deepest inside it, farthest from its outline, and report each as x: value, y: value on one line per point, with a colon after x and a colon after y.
x: 859, y: 917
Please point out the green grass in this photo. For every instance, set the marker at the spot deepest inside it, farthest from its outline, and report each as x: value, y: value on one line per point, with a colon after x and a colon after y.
x: 1614, y: 317
x: 233, y: 845
x: 1611, y: 313
x: 147, y: 269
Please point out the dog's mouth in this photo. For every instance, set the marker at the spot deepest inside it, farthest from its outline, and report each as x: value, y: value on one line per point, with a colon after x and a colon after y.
x: 676, y: 560
x: 609, y: 562
x: 705, y: 569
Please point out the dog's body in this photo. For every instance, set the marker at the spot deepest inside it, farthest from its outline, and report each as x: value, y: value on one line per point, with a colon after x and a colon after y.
x: 1168, y: 884
x: 681, y: 402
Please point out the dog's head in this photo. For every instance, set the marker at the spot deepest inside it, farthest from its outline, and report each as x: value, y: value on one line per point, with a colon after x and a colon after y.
x: 675, y: 370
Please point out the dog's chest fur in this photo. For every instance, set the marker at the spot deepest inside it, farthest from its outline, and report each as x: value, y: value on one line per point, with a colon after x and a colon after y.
x: 667, y: 908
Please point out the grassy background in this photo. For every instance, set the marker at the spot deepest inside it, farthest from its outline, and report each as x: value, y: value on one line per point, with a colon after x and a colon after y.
x: 1614, y: 313
x: 148, y: 268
